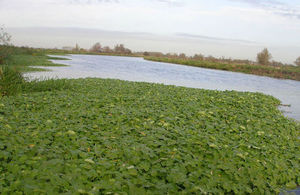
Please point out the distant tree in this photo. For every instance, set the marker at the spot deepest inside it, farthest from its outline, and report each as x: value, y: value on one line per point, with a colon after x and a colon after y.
x: 211, y: 58
x: 83, y: 50
x: 297, y: 62
x: 4, y: 37
x: 106, y: 49
x: 198, y: 57
x: 127, y: 51
x: 264, y: 57
x: 96, y: 47
x: 146, y: 53
x: 182, y: 55
x: 157, y: 54
x: 171, y: 55
x: 121, y: 49
x: 276, y: 63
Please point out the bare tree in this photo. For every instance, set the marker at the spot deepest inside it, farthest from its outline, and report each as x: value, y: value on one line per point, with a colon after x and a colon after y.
x: 297, y: 62
x: 4, y: 37
x: 264, y: 57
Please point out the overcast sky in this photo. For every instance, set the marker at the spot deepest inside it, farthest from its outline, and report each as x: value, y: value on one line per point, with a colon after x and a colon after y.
x: 247, y: 23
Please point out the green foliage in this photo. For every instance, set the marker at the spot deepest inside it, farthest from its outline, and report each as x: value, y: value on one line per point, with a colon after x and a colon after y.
x: 284, y: 72
x: 22, y: 59
x: 109, y: 136
x: 27, y: 62
x: 11, y: 80
x: 25, y: 57
x: 5, y: 53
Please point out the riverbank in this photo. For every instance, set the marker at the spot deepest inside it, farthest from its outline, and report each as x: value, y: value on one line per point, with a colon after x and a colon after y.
x: 17, y: 61
x: 26, y: 63
x: 112, y: 136
x: 282, y: 72
x: 25, y: 59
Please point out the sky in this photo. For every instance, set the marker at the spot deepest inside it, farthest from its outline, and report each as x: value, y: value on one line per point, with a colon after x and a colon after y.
x: 229, y: 28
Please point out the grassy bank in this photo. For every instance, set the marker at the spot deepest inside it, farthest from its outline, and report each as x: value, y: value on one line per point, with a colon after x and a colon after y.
x: 282, y: 72
x: 23, y: 58
x: 110, y: 136
x: 14, y: 61
x: 26, y: 63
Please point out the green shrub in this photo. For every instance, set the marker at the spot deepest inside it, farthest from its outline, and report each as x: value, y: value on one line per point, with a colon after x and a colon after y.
x: 11, y: 80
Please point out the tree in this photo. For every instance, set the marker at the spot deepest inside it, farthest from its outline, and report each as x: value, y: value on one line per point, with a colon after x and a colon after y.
x: 146, y: 53
x: 182, y: 56
x: 4, y: 37
x: 264, y: 57
x: 121, y: 49
x: 106, y: 49
x: 96, y: 47
x: 297, y: 62
x: 198, y: 57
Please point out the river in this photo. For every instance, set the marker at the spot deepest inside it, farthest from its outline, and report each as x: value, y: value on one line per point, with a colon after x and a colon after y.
x: 138, y: 69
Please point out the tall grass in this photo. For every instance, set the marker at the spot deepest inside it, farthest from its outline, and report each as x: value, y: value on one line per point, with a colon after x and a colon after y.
x: 11, y: 80
x: 15, y: 60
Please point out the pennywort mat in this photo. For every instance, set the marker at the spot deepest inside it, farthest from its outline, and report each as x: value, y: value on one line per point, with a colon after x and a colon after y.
x: 103, y: 136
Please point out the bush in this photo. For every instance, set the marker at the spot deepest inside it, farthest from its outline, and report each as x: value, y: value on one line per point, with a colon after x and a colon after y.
x: 11, y: 80
x: 264, y: 57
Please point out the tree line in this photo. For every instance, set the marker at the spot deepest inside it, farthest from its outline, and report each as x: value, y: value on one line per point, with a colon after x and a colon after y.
x: 263, y: 58
x: 98, y: 48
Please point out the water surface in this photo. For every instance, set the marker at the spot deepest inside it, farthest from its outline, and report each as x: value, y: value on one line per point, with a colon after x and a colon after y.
x: 138, y: 69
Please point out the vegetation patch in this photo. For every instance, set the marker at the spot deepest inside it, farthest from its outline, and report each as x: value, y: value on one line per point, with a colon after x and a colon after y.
x: 14, y: 61
x: 26, y: 63
x: 11, y: 80
x: 24, y: 59
x: 109, y: 136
